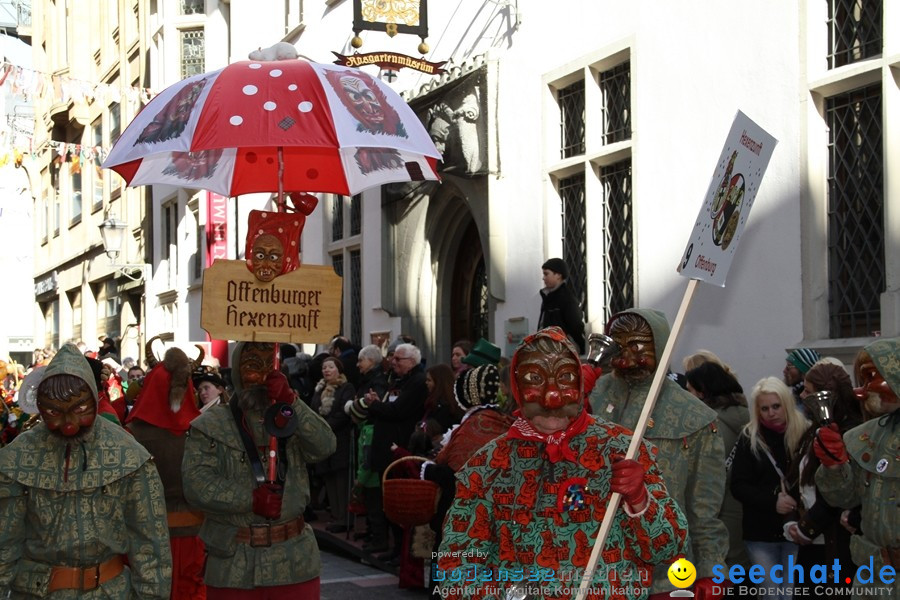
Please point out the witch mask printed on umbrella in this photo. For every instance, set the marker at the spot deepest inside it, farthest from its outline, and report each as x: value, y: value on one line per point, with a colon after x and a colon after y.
x: 171, y: 121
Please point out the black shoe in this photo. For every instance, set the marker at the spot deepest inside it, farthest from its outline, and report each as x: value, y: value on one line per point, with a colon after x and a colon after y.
x: 336, y: 528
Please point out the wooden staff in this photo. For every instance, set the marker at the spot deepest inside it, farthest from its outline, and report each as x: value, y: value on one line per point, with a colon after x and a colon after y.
x: 637, y: 439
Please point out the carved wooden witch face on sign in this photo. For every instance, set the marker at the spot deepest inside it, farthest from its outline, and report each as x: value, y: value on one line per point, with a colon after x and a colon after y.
x: 273, y: 243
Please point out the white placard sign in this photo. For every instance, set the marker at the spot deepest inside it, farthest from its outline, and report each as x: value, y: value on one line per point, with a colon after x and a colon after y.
x: 729, y: 198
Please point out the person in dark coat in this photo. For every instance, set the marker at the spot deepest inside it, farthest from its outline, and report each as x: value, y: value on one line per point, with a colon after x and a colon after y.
x: 395, y: 415
x: 558, y: 304
x: 332, y: 392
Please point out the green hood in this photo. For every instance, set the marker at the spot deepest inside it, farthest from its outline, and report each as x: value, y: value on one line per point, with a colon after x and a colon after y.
x: 70, y: 361
x: 886, y: 356
x: 658, y: 324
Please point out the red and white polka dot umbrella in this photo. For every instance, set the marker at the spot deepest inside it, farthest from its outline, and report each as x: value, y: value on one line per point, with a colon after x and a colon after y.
x: 287, y: 125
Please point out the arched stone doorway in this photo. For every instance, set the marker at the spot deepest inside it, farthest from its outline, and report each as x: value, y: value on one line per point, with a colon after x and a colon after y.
x: 469, y: 306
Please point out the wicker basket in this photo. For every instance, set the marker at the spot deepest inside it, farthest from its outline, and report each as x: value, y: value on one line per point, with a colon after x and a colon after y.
x: 409, y: 502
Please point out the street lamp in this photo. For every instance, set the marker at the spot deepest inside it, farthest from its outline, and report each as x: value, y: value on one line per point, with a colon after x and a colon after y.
x: 112, y: 231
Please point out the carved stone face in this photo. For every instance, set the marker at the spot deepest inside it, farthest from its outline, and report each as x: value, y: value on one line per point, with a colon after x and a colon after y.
x: 267, y: 257
x: 637, y: 360
x: 549, y: 385
x: 69, y: 417
x: 363, y: 102
x: 257, y: 361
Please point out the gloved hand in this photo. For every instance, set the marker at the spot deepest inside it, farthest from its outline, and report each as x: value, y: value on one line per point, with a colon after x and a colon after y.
x: 279, y: 388
x: 703, y: 589
x: 628, y: 480
x: 267, y: 500
x: 829, y: 446
x: 589, y: 376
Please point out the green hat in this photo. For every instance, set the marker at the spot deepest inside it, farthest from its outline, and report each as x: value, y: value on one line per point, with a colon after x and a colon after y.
x: 483, y: 353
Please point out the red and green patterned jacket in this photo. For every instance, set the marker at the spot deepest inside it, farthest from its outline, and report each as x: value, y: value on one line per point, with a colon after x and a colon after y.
x: 520, y: 518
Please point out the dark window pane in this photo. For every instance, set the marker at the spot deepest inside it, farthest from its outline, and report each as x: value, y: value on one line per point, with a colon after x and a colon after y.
x: 571, y: 108
x: 854, y: 31
x: 337, y: 261
x: 356, y: 214
x: 192, y: 7
x: 571, y: 191
x: 615, y: 86
x: 618, y: 238
x: 337, y: 218
x: 856, y: 261
x: 355, y: 297
x: 479, y: 302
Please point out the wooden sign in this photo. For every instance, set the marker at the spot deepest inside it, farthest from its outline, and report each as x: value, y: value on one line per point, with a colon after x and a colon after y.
x: 303, y: 306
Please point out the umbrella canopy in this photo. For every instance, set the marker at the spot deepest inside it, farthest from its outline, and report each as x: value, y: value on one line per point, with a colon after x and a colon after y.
x: 292, y: 125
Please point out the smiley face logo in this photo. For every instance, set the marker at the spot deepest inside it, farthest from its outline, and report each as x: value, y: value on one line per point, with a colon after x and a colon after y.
x: 682, y: 573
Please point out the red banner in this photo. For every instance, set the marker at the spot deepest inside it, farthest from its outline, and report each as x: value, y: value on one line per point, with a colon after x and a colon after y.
x: 216, y: 248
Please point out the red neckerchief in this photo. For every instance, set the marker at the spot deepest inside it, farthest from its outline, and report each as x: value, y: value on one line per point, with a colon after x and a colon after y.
x: 557, y: 444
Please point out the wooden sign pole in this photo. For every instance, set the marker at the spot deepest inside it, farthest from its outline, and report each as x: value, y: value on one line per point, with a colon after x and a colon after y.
x: 662, y: 367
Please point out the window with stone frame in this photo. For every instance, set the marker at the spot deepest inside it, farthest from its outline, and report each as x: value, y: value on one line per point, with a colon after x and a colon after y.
x: 849, y: 199
x: 344, y: 249
x: 593, y: 179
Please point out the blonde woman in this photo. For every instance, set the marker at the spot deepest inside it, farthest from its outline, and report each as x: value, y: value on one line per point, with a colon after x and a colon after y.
x: 768, y: 444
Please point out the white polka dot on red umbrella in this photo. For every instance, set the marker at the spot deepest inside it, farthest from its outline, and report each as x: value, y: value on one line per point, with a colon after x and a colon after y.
x: 250, y: 90
x: 292, y: 87
x: 305, y: 106
x: 270, y: 105
x: 275, y: 73
x: 236, y: 120
x: 255, y: 66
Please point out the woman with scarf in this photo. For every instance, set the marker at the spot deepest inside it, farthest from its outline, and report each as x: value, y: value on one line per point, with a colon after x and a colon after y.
x: 332, y: 392
x: 767, y: 446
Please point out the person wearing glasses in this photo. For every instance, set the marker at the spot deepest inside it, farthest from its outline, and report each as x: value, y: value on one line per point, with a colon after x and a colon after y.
x: 395, y: 414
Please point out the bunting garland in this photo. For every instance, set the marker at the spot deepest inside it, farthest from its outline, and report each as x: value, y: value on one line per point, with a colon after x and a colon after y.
x: 29, y: 83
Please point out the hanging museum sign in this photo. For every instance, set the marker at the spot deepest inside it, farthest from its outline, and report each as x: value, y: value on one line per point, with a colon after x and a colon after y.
x: 390, y: 61
x: 302, y: 306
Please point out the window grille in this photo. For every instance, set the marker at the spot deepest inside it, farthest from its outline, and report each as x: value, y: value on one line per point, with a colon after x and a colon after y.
x: 856, y: 260
x: 618, y: 238
x: 193, y: 61
x: 192, y: 7
x: 854, y: 31
x: 337, y: 218
x: 479, y: 302
x: 572, y: 193
x: 615, y: 87
x: 355, y: 298
x: 356, y: 214
x: 571, y: 108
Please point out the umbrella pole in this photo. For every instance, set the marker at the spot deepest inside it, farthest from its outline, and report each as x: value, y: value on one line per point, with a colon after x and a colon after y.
x: 280, y: 178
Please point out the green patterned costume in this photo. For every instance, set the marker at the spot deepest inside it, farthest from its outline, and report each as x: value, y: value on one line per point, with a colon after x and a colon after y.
x: 78, y: 503
x: 872, y: 477
x: 526, y: 520
x: 218, y: 480
x: 691, y: 454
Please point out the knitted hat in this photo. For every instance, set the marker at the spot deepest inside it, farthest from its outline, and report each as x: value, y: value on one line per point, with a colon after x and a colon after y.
x: 483, y: 353
x: 477, y: 387
x: 358, y: 409
x: 803, y: 358
x: 557, y: 265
